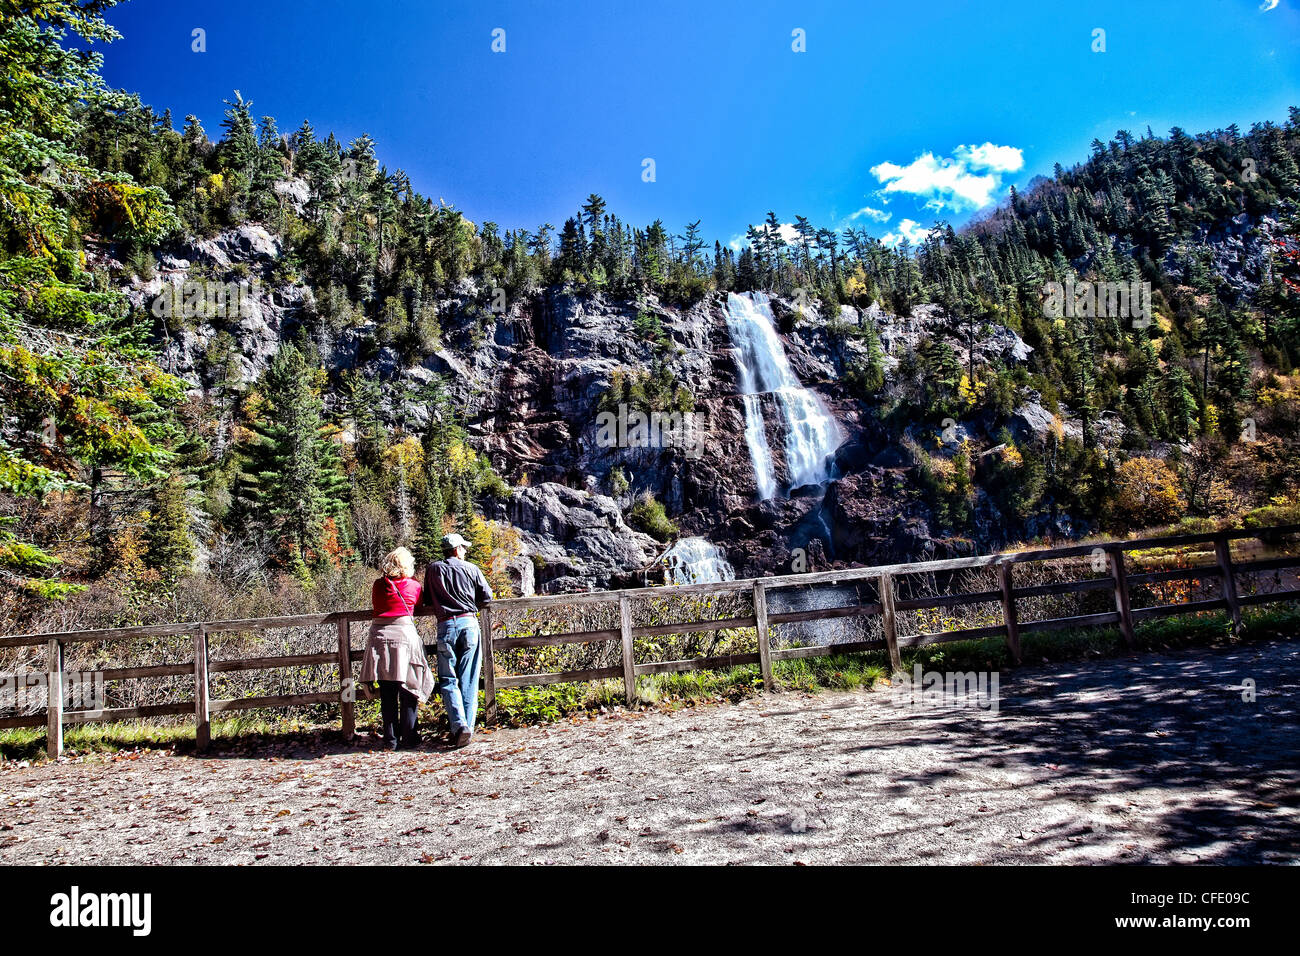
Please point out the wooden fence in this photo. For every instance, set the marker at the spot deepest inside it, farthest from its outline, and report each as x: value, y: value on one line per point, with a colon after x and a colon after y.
x: 887, y: 606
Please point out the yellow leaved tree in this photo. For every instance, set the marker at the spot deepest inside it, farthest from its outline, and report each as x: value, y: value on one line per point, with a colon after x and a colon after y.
x: 1147, y: 492
x: 493, y: 545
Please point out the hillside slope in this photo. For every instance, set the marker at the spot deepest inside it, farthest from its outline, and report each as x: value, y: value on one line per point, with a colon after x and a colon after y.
x: 257, y: 363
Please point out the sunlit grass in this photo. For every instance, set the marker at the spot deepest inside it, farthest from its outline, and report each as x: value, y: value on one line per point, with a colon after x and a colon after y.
x: 28, y: 743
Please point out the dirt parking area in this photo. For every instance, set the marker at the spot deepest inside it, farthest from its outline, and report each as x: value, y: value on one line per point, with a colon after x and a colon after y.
x: 1149, y: 759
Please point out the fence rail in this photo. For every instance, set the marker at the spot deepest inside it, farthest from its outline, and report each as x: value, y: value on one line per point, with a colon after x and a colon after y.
x: 887, y: 606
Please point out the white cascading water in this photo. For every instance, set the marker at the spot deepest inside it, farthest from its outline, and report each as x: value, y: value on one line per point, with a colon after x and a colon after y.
x: 756, y: 439
x: 811, y: 434
x: 695, y: 561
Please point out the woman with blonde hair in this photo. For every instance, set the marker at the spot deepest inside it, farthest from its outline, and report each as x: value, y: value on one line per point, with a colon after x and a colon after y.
x: 395, y: 651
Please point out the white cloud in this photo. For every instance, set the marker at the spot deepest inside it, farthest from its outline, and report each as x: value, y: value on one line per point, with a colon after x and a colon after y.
x: 1000, y: 159
x: 908, y: 229
x: 786, y: 231
x: 969, y: 179
x: 877, y: 215
x: 1268, y: 5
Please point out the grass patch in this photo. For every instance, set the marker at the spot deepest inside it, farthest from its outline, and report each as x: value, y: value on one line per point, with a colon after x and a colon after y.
x: 832, y: 672
x: 28, y: 743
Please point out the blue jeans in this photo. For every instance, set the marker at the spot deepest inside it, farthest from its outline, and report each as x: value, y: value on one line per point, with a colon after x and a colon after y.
x: 458, y: 670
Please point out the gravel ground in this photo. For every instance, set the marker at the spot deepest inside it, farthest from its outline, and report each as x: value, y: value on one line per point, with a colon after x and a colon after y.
x: 1151, y: 759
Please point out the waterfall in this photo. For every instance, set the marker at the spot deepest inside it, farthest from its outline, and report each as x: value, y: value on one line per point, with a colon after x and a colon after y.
x: 695, y: 561
x: 756, y: 439
x: 811, y: 435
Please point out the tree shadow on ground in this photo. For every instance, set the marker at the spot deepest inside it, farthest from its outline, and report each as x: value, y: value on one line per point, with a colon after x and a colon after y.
x: 1153, y: 758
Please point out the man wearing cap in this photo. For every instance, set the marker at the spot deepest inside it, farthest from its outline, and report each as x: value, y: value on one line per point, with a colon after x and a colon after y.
x: 456, y: 589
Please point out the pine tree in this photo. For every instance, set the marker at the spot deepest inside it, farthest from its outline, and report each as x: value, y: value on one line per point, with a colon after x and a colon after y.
x: 269, y: 168
x: 361, y: 408
x: 572, y: 249
x: 237, y: 151
x: 428, y: 538
x: 292, y: 478
x: 691, y: 244
x: 464, y: 503
x: 170, y: 548
x: 593, y: 210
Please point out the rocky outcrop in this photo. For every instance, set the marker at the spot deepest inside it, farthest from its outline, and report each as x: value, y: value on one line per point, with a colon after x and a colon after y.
x: 250, y: 244
x: 1238, y: 253
x: 902, y: 334
x: 576, y: 540
x: 876, y: 516
x: 208, y: 287
x: 295, y: 193
x: 1031, y: 421
x: 528, y: 383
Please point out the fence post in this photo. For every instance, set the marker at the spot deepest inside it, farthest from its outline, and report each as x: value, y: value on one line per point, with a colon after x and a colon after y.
x: 1009, y: 609
x: 629, y: 666
x: 489, y: 666
x: 347, y: 685
x: 202, y: 720
x: 760, y: 626
x: 1117, y: 572
x: 54, y: 698
x: 888, y: 621
x: 1223, y: 554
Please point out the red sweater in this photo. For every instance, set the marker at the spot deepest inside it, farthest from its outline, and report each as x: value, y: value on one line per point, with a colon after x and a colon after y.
x: 387, y: 595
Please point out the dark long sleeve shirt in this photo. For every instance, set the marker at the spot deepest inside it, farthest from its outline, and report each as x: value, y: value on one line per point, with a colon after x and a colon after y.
x: 453, y: 587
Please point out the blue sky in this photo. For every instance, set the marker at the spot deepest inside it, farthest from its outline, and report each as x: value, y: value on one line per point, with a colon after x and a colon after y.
x: 901, y: 113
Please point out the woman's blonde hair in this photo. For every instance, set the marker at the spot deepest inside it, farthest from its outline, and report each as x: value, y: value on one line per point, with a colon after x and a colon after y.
x: 398, y: 564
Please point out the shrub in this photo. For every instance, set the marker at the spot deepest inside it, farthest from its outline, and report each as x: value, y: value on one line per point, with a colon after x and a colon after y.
x: 618, y: 483
x: 1147, y: 493
x: 648, y: 515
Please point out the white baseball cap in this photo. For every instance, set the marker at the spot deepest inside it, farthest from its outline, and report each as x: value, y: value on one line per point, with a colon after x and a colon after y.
x: 454, y: 540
